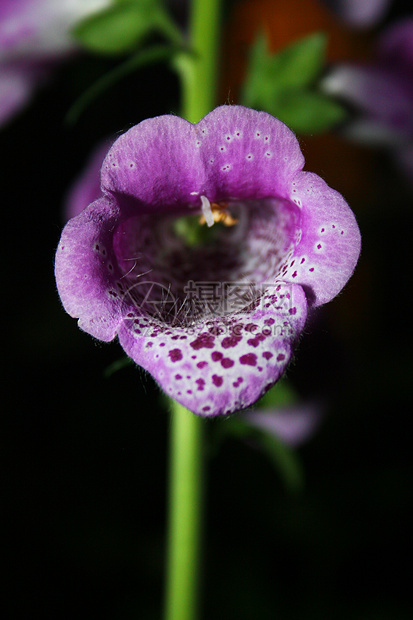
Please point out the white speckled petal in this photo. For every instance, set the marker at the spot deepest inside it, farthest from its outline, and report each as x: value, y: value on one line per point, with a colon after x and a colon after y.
x: 246, y: 154
x: 155, y: 163
x: 232, y: 153
x: 330, y: 241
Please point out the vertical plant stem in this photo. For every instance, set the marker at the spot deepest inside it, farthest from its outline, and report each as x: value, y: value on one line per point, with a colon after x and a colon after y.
x: 198, y: 73
x: 185, y: 514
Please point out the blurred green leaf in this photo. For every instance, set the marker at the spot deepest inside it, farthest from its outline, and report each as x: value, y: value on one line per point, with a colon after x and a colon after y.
x: 283, y: 84
x: 119, y: 364
x: 307, y: 111
x: 281, y: 395
x: 124, y: 25
x: 285, y: 459
x: 294, y: 67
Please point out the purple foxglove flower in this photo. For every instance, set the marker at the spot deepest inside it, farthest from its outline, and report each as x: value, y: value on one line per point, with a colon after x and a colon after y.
x: 86, y: 189
x: 214, y: 322
x: 382, y: 93
x: 294, y: 424
x: 359, y: 13
x: 34, y: 37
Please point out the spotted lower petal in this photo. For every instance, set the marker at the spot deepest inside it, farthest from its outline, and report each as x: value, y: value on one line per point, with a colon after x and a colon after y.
x: 221, y: 364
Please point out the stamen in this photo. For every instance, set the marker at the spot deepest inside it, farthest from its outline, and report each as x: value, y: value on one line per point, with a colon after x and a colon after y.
x: 207, y: 212
x: 215, y: 212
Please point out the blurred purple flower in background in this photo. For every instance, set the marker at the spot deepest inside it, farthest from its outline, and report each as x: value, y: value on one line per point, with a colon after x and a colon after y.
x: 359, y: 13
x: 381, y: 94
x: 86, y: 188
x: 124, y: 270
x: 34, y: 37
x: 293, y: 424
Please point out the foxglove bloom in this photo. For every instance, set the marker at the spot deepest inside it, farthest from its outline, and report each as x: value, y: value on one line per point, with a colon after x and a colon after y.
x: 381, y: 93
x: 34, y: 36
x: 359, y: 13
x: 86, y: 188
x: 293, y: 424
x: 215, y: 322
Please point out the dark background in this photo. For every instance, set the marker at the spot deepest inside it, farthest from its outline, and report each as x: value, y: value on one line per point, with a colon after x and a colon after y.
x: 84, y: 456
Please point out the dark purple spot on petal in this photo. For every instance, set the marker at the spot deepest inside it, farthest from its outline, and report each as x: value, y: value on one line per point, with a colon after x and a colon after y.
x: 217, y: 380
x: 206, y: 408
x: 267, y: 355
x: 231, y: 341
x: 269, y: 321
x: 204, y: 341
x: 250, y: 327
x: 175, y: 355
x: 216, y: 356
x: 292, y: 310
x: 202, y: 364
x: 280, y: 357
x: 178, y: 376
x: 227, y: 362
x: 250, y: 359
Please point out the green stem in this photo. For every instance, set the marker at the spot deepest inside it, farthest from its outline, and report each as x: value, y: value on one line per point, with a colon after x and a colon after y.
x: 199, y: 71
x: 185, y: 510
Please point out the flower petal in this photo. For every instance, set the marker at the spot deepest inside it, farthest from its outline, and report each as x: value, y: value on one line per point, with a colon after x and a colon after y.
x: 157, y: 164
x: 382, y: 94
x: 359, y: 13
x: 222, y: 364
x: 294, y: 424
x: 86, y: 270
x: 247, y: 154
x: 232, y: 153
x: 325, y: 257
x: 396, y: 43
x: 41, y: 28
x: 17, y: 84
